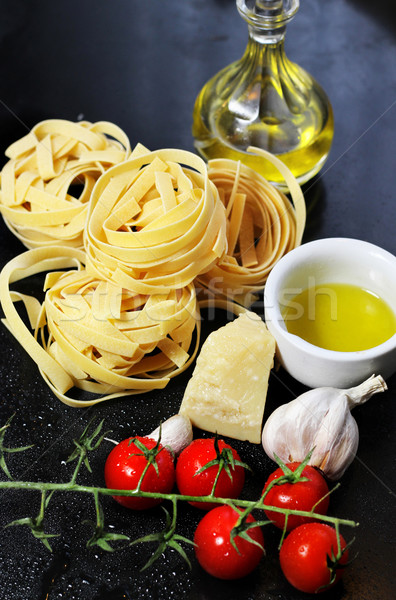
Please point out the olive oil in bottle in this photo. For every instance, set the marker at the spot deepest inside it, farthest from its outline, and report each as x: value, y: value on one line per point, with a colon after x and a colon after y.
x: 266, y: 101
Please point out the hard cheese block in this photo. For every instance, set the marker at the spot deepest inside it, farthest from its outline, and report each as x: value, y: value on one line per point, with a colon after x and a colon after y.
x: 228, y: 389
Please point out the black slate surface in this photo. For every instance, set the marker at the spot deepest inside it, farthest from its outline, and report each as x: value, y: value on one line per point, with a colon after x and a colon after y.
x: 140, y: 65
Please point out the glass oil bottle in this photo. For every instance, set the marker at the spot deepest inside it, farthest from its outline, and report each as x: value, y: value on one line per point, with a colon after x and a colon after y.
x: 265, y: 100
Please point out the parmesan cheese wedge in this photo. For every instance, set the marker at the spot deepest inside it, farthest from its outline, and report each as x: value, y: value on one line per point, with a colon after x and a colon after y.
x: 228, y: 389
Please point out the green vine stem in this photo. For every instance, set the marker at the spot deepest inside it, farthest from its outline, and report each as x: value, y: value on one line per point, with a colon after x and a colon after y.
x: 85, y: 489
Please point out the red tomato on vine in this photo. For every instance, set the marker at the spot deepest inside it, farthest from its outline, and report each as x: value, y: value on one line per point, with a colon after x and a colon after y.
x: 139, y: 459
x: 206, y: 465
x: 298, y: 487
x: 311, y: 559
x: 223, y: 551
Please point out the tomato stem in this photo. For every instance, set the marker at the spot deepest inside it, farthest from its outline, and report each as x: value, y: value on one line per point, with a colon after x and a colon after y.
x: 253, y: 504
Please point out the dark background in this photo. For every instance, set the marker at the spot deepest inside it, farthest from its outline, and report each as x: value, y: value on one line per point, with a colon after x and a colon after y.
x: 141, y: 64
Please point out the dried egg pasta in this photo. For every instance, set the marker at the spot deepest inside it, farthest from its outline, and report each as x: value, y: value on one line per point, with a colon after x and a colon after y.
x: 121, y: 317
x: 46, y: 168
x: 95, y: 335
x: 155, y: 222
x: 262, y: 226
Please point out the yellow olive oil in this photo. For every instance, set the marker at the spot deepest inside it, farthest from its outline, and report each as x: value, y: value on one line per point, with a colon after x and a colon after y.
x: 340, y: 316
x: 302, y: 141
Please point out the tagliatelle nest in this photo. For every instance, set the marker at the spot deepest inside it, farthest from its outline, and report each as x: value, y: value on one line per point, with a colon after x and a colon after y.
x: 155, y: 222
x: 262, y: 226
x: 96, y: 336
x: 47, y: 183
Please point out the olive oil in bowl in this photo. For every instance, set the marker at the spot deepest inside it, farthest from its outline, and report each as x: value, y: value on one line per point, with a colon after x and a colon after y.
x: 340, y: 316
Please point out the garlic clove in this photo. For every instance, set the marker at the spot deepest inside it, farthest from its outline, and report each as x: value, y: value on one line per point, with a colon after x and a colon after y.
x: 176, y: 433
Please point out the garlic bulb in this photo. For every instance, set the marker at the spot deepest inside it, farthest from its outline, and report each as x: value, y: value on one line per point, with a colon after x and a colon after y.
x: 319, y: 419
x: 176, y: 433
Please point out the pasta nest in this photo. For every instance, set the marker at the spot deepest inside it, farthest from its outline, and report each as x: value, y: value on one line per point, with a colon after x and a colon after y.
x: 262, y: 226
x: 155, y: 222
x: 49, y: 177
x: 96, y: 336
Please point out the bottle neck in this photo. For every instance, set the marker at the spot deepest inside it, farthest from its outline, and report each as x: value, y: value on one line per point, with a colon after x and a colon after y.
x: 267, y: 36
x: 264, y: 52
x: 267, y: 19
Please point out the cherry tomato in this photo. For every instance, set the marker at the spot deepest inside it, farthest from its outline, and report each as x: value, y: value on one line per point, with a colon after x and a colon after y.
x: 193, y: 479
x: 307, y: 557
x: 214, y: 550
x: 126, y: 463
x: 302, y: 495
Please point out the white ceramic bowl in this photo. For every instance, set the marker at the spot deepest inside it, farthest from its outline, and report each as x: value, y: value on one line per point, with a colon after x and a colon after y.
x: 332, y: 260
